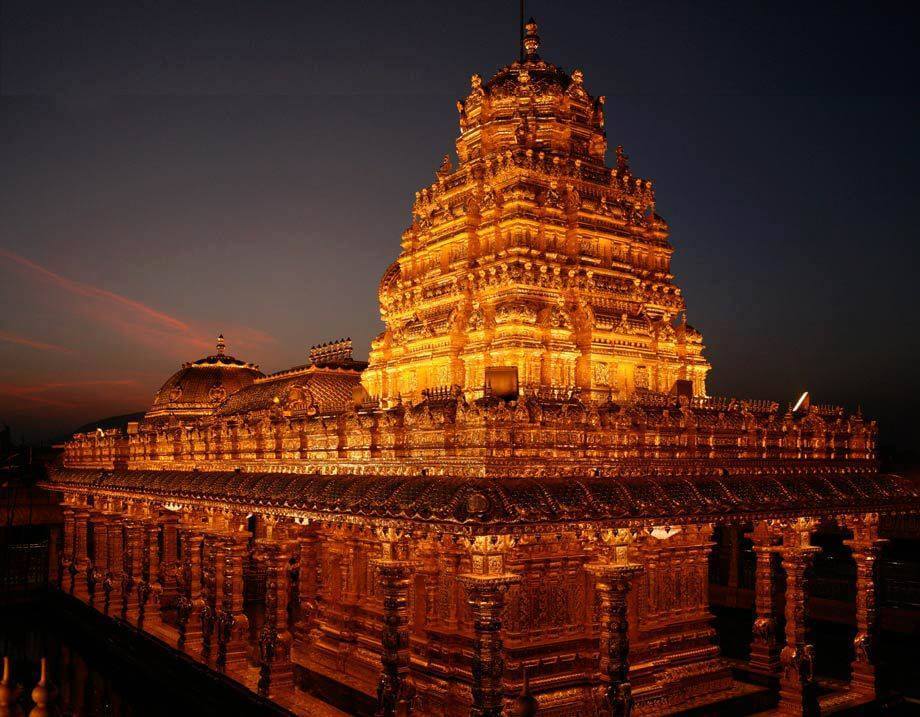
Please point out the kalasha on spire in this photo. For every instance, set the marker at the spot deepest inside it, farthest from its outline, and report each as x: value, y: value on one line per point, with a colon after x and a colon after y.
x: 532, y: 256
x: 531, y: 41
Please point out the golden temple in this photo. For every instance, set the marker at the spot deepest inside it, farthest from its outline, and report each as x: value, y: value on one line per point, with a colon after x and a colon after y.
x: 511, y: 508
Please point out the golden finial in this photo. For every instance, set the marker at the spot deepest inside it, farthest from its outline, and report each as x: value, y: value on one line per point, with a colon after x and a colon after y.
x: 8, y: 693
x: 221, y: 345
x: 531, y: 41
x: 42, y: 694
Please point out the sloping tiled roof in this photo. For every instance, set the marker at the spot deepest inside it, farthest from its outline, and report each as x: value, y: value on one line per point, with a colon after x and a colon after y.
x: 505, y: 502
x: 327, y: 390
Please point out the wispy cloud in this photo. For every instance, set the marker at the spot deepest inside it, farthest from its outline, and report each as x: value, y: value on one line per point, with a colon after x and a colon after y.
x: 134, y: 320
x: 88, y: 290
x: 38, y: 392
x: 12, y: 338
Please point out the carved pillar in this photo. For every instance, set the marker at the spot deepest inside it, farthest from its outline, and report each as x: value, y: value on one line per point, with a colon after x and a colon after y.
x: 55, y: 572
x: 275, y: 668
x: 100, y: 562
x: 169, y: 563
x: 151, y: 589
x: 134, y: 565
x: 231, y: 622
x: 351, y: 550
x: 67, y: 574
x: 866, y: 546
x: 308, y: 583
x: 81, y: 562
x: 451, y: 579
x: 486, y: 597
x: 733, y: 538
x: 189, y: 602
x: 613, y: 582
x: 114, y: 581
x: 765, y: 646
x: 797, y: 686
x: 394, y: 688
x: 212, y: 576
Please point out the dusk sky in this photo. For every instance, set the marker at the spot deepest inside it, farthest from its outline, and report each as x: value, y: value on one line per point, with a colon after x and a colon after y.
x: 171, y: 170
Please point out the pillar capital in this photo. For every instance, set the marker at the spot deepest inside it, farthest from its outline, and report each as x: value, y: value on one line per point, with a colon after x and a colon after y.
x: 797, y: 532
x: 614, y: 572
x: 498, y: 583
x: 393, y: 566
x: 766, y: 535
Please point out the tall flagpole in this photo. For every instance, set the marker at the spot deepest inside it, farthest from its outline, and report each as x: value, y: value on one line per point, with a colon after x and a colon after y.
x: 521, y: 28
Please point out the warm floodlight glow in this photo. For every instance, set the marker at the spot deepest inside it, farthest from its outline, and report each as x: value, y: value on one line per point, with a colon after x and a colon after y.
x: 801, y: 400
x: 663, y: 532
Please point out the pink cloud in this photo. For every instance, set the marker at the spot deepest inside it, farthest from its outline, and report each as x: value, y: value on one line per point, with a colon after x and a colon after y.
x: 31, y: 343
x: 82, y: 289
x: 37, y: 392
x: 136, y: 321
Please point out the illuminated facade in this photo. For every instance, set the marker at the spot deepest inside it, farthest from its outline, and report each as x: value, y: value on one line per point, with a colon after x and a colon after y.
x: 512, y: 506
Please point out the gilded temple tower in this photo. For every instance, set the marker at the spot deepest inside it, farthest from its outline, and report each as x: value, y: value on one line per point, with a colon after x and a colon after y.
x: 532, y: 255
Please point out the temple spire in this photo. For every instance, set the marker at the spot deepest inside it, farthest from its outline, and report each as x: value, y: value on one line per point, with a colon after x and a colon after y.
x: 221, y: 345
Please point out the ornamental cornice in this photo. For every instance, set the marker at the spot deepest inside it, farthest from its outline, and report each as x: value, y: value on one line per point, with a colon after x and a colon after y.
x: 481, y: 506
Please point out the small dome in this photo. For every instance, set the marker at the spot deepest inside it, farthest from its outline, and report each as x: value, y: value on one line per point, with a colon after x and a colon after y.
x: 199, y: 387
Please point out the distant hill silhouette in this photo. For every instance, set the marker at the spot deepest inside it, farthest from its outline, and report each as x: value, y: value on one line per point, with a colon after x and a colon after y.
x: 106, y: 424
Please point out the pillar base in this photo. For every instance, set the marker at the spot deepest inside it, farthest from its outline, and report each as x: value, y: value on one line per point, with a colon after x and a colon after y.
x: 764, y: 663
x: 79, y: 584
x: 863, y: 679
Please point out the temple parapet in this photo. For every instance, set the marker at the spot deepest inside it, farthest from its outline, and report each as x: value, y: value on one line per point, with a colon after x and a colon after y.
x: 544, y: 433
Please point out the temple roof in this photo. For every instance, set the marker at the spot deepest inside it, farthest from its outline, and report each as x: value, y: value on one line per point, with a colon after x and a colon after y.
x: 512, y: 502
x: 324, y: 385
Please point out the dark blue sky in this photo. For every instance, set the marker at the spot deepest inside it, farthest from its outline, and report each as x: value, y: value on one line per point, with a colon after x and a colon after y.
x: 174, y: 169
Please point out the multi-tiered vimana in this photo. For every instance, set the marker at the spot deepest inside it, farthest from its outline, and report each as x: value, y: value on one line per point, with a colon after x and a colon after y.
x: 517, y: 496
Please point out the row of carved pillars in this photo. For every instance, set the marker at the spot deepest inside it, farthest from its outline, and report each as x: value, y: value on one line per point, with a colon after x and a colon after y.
x: 143, y: 562
x: 206, y: 588
x: 199, y: 573
x: 791, y: 660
